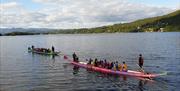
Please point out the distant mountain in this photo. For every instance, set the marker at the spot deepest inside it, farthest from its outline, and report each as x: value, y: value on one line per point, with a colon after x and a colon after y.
x: 165, y: 23
x: 28, y: 30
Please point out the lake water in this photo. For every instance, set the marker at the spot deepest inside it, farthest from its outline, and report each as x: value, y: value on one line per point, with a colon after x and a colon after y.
x: 23, y: 71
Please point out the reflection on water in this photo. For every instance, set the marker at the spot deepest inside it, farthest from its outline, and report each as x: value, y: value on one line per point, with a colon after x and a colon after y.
x: 75, y: 70
x: 116, y: 80
x: 23, y: 71
x: 141, y: 84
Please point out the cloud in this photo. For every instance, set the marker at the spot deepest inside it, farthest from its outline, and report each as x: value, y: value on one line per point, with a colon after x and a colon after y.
x: 6, y: 6
x: 76, y: 13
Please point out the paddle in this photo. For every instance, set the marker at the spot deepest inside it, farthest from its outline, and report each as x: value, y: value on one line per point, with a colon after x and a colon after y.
x: 140, y: 69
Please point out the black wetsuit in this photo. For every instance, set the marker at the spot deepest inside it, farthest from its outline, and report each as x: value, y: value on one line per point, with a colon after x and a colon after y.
x: 141, y: 61
x: 52, y: 48
x: 74, y: 57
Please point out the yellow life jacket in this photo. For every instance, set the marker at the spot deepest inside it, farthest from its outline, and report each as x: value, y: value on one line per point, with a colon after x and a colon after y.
x: 124, y: 67
x: 114, y: 68
x: 120, y: 67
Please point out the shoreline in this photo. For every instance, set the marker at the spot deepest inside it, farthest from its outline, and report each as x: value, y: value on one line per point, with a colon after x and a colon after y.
x: 81, y: 33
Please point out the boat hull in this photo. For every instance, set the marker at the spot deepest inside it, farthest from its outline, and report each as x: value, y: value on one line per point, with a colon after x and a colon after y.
x: 43, y: 53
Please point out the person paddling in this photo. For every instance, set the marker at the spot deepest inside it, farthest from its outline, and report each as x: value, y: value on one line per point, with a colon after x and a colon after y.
x: 116, y: 65
x: 32, y: 47
x: 124, y: 67
x: 141, y: 62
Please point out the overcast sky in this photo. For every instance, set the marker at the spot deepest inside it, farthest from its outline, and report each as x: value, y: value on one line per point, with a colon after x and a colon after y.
x: 79, y: 13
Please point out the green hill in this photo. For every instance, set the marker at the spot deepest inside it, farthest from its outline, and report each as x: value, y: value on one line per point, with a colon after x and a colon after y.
x: 165, y: 23
x: 19, y: 33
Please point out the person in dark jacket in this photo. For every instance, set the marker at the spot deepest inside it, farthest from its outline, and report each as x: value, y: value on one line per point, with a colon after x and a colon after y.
x: 74, y: 56
x: 32, y: 47
x: 141, y: 61
x: 52, y: 49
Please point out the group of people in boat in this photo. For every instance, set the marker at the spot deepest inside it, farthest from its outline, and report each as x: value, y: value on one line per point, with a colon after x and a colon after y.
x: 109, y: 65
x: 45, y: 50
x: 103, y: 63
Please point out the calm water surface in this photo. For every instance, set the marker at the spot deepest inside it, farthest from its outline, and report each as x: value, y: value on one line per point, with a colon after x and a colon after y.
x: 23, y: 71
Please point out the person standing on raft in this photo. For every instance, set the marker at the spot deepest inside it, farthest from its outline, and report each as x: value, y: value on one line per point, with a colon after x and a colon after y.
x: 141, y: 62
x: 53, y: 50
x: 75, y: 58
